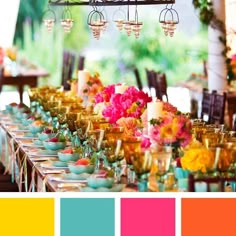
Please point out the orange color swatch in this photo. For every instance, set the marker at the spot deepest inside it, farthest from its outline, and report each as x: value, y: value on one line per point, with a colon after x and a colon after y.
x: 208, y: 216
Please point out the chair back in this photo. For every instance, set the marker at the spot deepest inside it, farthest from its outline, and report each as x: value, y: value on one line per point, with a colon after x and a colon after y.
x: 213, y: 107
x: 207, y: 101
x: 209, y: 184
x: 81, y: 62
x: 218, y: 108
x: 161, y: 86
x: 150, y: 78
x: 67, y: 68
x: 138, y: 78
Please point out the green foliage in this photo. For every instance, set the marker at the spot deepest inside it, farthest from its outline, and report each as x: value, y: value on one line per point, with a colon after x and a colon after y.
x: 32, y: 10
x: 178, y: 57
x: 78, y: 37
x: 44, y: 51
x: 206, y: 11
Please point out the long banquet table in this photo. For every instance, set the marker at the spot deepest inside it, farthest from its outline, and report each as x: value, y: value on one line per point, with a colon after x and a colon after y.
x: 26, y: 169
x: 32, y: 172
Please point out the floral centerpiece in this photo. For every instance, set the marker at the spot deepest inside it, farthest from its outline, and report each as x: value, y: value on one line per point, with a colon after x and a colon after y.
x: 172, y: 127
x: 92, y: 87
x: 131, y: 103
x: 123, y: 109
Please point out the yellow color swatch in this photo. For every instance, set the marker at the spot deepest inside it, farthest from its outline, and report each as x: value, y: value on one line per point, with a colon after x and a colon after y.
x: 27, y: 216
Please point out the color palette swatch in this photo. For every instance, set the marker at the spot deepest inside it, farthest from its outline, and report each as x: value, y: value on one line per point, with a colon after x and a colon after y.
x: 208, y: 216
x: 117, y: 216
x: 147, y: 216
x: 27, y: 216
x: 87, y: 217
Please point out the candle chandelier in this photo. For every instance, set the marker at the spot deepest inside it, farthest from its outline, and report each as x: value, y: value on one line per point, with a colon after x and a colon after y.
x: 97, y: 21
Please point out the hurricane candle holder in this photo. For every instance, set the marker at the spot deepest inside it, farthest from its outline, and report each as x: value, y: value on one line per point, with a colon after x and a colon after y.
x: 169, y: 18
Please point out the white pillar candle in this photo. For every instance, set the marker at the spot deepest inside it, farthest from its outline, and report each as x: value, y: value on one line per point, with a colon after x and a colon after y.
x: 83, y: 77
x: 120, y: 88
x: 154, y: 110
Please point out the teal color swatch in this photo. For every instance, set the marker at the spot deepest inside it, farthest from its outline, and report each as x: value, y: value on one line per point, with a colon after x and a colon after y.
x: 87, y: 216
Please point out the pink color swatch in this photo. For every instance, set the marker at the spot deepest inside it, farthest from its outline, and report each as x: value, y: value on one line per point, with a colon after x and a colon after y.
x: 148, y: 216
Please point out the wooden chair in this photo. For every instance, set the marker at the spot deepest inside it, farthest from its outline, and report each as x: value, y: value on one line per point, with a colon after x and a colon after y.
x: 207, y: 101
x: 208, y: 183
x: 67, y: 68
x: 81, y: 62
x: 218, y: 108
x: 137, y: 77
x: 150, y: 78
x: 161, y: 86
x: 212, y: 183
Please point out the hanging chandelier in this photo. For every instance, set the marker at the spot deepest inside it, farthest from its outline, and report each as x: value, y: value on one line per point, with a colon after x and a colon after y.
x: 97, y: 22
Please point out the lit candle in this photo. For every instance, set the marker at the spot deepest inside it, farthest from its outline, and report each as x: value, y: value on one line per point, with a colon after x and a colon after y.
x: 83, y: 77
x: 120, y: 88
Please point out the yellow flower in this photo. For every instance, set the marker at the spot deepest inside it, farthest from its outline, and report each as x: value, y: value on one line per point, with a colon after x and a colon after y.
x: 169, y: 131
x: 133, y: 108
x: 198, y: 159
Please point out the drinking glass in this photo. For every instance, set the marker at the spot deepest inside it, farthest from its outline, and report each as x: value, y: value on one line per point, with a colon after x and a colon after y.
x: 142, y: 164
x: 161, y: 164
x: 131, y: 147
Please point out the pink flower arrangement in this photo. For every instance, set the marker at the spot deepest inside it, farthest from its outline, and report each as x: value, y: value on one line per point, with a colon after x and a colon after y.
x: 131, y: 103
x: 171, y: 128
x: 106, y: 94
x: 93, y: 86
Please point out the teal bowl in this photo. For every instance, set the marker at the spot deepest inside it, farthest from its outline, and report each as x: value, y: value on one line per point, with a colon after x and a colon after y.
x: 79, y: 169
x: 27, y: 122
x: 54, y: 145
x: 34, y: 129
x: 44, y: 136
x: 67, y: 156
x: 9, y: 108
x: 97, y: 182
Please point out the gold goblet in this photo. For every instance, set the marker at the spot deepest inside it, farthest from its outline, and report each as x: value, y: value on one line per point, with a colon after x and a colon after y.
x: 131, y: 147
x: 142, y: 164
x: 161, y: 165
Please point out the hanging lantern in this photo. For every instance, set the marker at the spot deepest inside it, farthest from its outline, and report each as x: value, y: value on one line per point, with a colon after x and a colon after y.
x: 169, y: 19
x: 136, y: 25
x: 96, y: 22
x: 119, y: 18
x: 67, y: 21
x: 49, y: 19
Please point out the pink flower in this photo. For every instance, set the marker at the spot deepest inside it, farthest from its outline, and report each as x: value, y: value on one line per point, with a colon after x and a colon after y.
x: 169, y: 107
x: 145, y: 143
x: 93, y: 86
x: 106, y: 94
x: 130, y: 125
x: 131, y: 103
x: 170, y: 129
x: 233, y: 58
x: 2, y: 55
